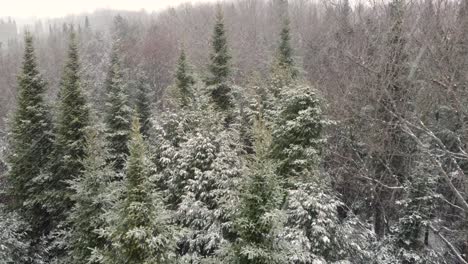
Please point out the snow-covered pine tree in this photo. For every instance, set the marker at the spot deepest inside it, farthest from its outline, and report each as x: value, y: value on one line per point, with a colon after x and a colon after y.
x: 91, y: 200
x: 184, y: 82
x: 118, y: 113
x: 139, y: 227
x: 73, y: 120
x: 30, y: 142
x: 285, y: 52
x: 259, y: 221
x: 70, y: 149
x: 207, y: 173
x: 220, y: 67
x: 143, y: 105
x: 284, y: 71
x: 312, y: 207
x: 14, y: 241
x: 297, y: 132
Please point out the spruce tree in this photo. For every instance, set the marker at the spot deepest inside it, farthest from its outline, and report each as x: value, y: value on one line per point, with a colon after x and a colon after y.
x: 73, y: 120
x: 284, y: 71
x: 285, y: 51
x: 220, y: 66
x: 118, y: 113
x: 14, y: 242
x: 69, y: 151
x: 184, y: 81
x: 259, y: 222
x: 205, y: 176
x: 313, y: 225
x: 297, y: 132
x: 143, y: 105
x: 30, y: 145
x: 91, y: 200
x: 139, y: 226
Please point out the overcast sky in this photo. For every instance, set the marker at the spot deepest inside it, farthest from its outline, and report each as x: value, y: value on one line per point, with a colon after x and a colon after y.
x: 59, y: 8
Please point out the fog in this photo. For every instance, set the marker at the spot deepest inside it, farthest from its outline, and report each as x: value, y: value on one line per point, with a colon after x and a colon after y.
x: 60, y: 8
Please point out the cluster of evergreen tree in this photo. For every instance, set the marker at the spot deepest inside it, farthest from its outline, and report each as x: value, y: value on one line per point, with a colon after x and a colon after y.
x: 210, y: 177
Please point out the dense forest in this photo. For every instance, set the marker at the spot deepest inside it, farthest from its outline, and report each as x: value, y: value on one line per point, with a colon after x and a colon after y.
x: 243, y: 132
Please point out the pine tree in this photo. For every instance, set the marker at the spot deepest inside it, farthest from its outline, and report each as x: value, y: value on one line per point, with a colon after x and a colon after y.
x: 30, y: 146
x: 285, y: 52
x: 184, y: 81
x: 284, y: 71
x: 297, y: 132
x: 91, y: 201
x: 143, y: 106
x: 69, y: 152
x: 259, y: 222
x: 220, y: 66
x: 139, y: 225
x: 313, y: 225
x: 73, y: 121
x: 118, y: 114
x: 14, y: 242
x: 206, y: 175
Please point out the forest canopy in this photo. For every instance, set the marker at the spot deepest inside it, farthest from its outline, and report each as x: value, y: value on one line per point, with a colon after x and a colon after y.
x: 243, y: 132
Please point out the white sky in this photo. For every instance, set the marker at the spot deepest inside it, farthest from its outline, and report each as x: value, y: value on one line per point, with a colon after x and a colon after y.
x: 60, y: 8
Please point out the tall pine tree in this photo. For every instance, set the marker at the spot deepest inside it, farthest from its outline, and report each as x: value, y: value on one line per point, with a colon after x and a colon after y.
x: 184, y: 81
x: 70, y: 147
x: 139, y: 226
x: 73, y: 120
x: 259, y: 222
x: 91, y: 200
x: 30, y: 145
x: 118, y: 113
x: 220, y: 66
x: 143, y: 105
x: 284, y: 71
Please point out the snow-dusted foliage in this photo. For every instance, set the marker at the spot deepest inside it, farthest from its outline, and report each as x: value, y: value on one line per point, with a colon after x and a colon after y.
x: 30, y: 146
x: 118, y: 113
x: 258, y: 223
x: 315, y: 231
x: 297, y: 131
x: 13, y: 238
x: 208, y: 174
x: 91, y: 198
x: 242, y: 165
x: 138, y: 226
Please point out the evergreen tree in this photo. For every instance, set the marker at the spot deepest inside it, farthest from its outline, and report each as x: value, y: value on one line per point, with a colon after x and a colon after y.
x: 313, y: 226
x: 139, y: 226
x: 184, y: 82
x: 206, y: 175
x: 14, y: 242
x: 91, y: 201
x: 30, y: 146
x: 220, y: 66
x: 284, y: 71
x: 143, y: 106
x: 73, y: 121
x: 285, y: 51
x: 70, y: 150
x: 297, y: 132
x: 259, y: 222
x: 118, y: 114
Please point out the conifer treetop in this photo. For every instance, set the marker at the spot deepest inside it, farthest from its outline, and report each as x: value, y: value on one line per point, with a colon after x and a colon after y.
x: 220, y: 58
